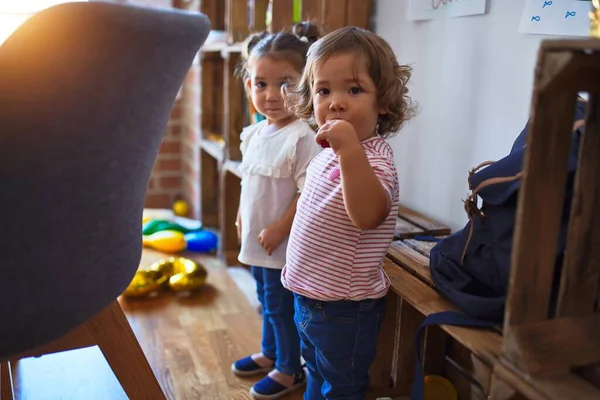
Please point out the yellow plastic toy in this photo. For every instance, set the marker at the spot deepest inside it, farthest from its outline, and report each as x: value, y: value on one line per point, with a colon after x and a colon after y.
x: 168, y: 241
x: 181, y: 208
x: 439, y: 388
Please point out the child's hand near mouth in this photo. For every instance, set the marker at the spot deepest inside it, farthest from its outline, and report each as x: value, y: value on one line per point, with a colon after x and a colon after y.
x: 337, y: 134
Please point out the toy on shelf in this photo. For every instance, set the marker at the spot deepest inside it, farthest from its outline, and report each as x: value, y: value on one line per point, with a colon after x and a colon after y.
x: 181, y: 208
x: 176, y: 273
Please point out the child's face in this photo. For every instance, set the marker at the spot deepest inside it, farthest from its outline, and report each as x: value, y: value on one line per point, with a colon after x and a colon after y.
x: 267, y: 75
x: 343, y: 89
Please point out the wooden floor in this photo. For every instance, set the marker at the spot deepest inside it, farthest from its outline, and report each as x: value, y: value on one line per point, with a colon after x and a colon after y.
x: 190, y: 342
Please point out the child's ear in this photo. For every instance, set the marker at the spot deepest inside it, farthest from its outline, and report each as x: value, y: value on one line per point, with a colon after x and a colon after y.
x: 248, y: 83
x: 382, y: 109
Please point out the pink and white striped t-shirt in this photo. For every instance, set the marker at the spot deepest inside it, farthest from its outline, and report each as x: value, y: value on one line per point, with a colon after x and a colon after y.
x: 328, y: 258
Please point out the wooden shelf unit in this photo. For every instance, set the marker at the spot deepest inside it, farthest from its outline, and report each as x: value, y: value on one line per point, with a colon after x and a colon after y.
x: 223, y: 102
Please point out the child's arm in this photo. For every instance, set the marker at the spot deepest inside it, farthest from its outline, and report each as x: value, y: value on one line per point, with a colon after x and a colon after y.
x: 366, y: 200
x: 271, y: 237
x: 238, y: 225
x: 285, y: 223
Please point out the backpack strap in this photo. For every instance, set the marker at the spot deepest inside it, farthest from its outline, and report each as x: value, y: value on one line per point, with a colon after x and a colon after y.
x: 477, y: 168
x: 471, y: 207
x: 442, y: 318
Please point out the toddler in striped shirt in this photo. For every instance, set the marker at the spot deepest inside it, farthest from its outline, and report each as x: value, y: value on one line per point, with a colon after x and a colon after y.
x: 275, y: 154
x: 355, y: 90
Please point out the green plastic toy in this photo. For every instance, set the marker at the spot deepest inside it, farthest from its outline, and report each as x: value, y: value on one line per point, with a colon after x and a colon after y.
x: 157, y: 225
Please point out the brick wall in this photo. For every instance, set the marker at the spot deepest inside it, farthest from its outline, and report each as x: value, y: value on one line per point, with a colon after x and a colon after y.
x: 165, y: 184
x: 190, y: 141
x: 176, y: 173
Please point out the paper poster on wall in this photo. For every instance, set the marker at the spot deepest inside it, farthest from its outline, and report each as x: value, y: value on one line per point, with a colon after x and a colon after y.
x: 438, y: 9
x: 556, y: 17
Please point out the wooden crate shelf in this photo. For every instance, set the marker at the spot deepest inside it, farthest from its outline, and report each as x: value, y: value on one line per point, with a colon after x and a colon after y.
x: 213, y: 149
x: 215, y: 11
x: 234, y: 114
x: 211, y: 97
x: 209, y: 193
x: 232, y: 167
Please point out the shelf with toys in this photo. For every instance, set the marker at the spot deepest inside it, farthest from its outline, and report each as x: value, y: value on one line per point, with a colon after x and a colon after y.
x: 224, y: 107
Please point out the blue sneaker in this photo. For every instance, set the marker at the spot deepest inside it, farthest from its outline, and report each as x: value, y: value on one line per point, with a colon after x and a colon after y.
x: 269, y: 389
x: 247, y: 367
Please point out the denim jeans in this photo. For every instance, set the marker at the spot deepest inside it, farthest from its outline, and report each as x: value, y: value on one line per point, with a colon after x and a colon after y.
x: 280, y: 339
x: 338, y: 342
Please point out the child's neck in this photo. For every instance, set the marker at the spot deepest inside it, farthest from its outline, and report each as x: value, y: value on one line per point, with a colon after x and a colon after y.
x: 367, y: 137
x: 278, y: 124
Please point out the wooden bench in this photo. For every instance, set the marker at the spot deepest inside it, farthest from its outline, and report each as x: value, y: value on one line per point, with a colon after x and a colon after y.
x: 411, y: 223
x: 466, y: 356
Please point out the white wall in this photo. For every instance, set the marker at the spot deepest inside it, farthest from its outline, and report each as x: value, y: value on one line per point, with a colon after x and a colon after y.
x: 472, y: 78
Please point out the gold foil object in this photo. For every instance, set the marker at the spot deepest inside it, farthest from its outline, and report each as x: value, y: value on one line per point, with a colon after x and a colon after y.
x: 164, y: 269
x: 178, y: 273
x: 189, y: 275
x: 143, y: 283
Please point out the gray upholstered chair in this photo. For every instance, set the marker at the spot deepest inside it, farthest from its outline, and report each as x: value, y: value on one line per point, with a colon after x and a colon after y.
x: 86, y: 90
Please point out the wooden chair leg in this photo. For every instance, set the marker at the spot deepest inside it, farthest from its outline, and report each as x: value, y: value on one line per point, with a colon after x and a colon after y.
x: 122, y: 351
x: 6, y: 383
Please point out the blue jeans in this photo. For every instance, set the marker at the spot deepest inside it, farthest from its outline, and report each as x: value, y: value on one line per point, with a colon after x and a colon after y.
x: 338, y: 341
x: 280, y: 339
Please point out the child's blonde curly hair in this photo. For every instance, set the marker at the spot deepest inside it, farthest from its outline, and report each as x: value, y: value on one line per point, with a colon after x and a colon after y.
x: 389, y: 77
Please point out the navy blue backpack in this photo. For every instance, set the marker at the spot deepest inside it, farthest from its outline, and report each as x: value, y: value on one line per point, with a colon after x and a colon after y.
x: 471, y: 267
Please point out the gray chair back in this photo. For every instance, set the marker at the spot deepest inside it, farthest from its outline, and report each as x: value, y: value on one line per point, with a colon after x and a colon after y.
x: 86, y: 90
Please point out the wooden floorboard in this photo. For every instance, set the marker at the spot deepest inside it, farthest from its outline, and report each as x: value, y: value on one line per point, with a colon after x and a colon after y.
x: 190, y: 342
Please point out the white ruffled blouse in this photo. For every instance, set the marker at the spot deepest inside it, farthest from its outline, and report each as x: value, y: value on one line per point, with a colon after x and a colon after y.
x: 273, y: 172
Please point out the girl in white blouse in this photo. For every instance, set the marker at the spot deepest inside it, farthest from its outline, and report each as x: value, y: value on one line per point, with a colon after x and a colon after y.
x: 275, y: 154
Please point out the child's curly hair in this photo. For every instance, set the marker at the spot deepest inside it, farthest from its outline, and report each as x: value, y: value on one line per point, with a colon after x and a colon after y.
x: 389, y: 76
